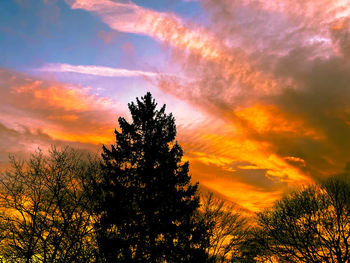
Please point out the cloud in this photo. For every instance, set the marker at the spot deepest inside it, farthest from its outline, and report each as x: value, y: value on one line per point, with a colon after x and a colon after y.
x: 270, y: 30
x: 298, y: 125
x: 234, y: 89
x: 195, y: 47
x: 97, y: 70
x: 37, y: 112
x: 277, y: 79
x: 269, y: 80
x: 23, y: 141
x: 166, y: 27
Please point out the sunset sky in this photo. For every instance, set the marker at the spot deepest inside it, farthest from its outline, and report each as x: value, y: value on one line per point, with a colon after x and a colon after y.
x: 260, y: 89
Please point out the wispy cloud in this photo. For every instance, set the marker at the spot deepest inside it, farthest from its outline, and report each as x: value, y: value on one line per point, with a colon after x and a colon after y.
x: 97, y: 70
x: 131, y: 18
x: 193, y: 41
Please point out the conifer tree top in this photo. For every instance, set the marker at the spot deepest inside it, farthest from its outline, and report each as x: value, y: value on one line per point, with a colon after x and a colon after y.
x: 149, y: 202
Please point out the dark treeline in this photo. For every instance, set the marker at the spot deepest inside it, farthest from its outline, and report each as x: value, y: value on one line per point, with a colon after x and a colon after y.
x: 136, y: 203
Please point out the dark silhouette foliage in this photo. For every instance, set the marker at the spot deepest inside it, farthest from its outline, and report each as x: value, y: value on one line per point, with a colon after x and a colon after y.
x: 45, y: 208
x: 310, y: 225
x: 227, y: 228
x: 252, y: 249
x: 147, y: 203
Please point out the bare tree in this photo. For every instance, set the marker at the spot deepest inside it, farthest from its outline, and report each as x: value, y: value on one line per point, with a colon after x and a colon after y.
x: 310, y: 225
x: 46, y: 213
x: 228, y: 228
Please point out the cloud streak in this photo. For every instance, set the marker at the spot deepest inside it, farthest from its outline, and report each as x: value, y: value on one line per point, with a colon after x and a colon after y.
x: 131, y: 18
x: 97, y: 70
x: 191, y: 41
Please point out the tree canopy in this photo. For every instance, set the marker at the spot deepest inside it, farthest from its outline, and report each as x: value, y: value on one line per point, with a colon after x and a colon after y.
x: 149, y: 204
x: 310, y: 225
x: 227, y: 227
x: 46, y: 209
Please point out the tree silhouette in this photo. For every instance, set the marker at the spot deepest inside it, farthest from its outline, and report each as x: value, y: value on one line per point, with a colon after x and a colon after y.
x: 227, y: 228
x: 147, y: 203
x: 311, y: 224
x: 45, y: 209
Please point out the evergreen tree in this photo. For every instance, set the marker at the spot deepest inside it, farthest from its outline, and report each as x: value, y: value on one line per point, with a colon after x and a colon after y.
x: 148, y: 204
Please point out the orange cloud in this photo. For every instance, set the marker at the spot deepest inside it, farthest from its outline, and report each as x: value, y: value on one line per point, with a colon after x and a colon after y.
x: 97, y: 137
x: 245, y: 195
x: 269, y: 118
x: 70, y: 117
x: 60, y: 111
x: 233, y: 149
x: 338, y: 26
x: 59, y: 96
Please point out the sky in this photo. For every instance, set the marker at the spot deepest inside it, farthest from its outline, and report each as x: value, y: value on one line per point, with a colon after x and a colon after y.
x: 260, y: 89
